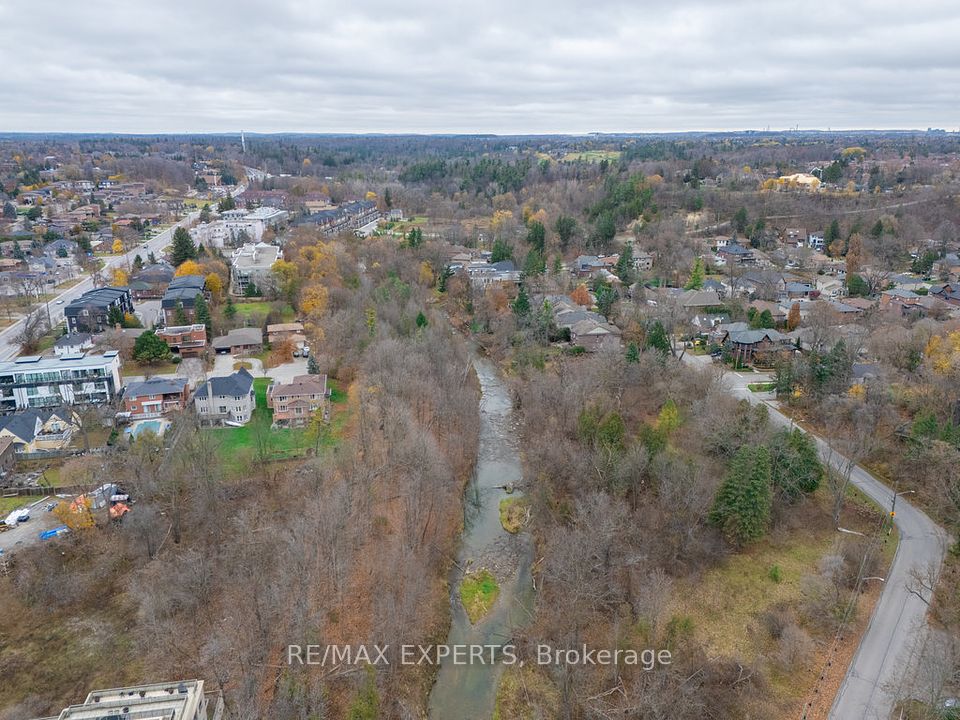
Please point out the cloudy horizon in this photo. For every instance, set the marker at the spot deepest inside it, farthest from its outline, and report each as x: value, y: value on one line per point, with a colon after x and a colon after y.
x: 502, y: 68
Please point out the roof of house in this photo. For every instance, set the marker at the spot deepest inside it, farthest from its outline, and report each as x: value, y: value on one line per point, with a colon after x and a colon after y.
x: 99, y: 297
x: 700, y: 298
x: 155, y: 386
x: 73, y: 340
x: 897, y: 292
x: 23, y: 423
x: 751, y: 337
x: 285, y: 327
x: 238, y: 384
x: 301, y: 385
x: 183, y: 289
x: 238, y: 336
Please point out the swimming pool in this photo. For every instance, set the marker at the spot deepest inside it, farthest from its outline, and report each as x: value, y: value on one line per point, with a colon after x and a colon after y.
x: 157, y: 427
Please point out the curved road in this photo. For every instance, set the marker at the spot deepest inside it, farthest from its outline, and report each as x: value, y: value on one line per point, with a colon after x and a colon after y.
x: 889, y: 647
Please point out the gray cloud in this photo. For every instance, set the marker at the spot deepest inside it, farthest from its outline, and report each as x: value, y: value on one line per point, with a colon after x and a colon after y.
x: 496, y: 66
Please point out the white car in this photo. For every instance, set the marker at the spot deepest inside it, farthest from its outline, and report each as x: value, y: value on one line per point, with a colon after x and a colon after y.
x: 59, y: 302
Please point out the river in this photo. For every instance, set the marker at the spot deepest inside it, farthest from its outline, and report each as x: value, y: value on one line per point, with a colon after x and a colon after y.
x: 469, y: 691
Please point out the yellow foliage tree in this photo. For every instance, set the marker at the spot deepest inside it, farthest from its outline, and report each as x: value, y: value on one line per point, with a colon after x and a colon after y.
x: 313, y: 301
x: 214, y: 285
x: 117, y: 246
x: 75, y: 515
x: 188, y: 267
x: 425, y: 276
x: 500, y: 218
x: 371, y: 195
x: 943, y: 353
x: 119, y: 277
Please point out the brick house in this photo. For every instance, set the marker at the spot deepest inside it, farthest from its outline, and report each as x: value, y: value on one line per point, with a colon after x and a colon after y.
x: 294, y: 403
x: 187, y: 340
x: 155, y: 397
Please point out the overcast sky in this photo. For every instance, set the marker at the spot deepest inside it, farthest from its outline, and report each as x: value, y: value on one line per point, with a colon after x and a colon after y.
x: 517, y: 66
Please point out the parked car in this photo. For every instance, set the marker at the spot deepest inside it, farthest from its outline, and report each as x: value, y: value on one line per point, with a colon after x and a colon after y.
x: 305, y: 352
x: 296, y: 353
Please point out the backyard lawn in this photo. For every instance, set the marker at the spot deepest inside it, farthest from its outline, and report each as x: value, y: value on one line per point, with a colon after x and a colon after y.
x: 238, y: 445
x: 260, y: 309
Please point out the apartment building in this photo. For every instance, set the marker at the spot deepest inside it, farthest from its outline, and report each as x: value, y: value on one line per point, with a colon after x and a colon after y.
x: 252, y: 264
x: 43, y: 382
x: 183, y: 700
x: 91, y: 311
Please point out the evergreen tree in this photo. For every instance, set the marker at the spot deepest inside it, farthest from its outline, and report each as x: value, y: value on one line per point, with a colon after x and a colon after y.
x: 633, y: 353
x: 415, y: 238
x: 202, y: 314
x: 9, y: 211
x: 251, y: 290
x: 442, y: 281
x: 137, y: 263
x: 151, y: 259
x: 657, y: 339
x: 115, y: 316
x: 501, y: 251
x: 740, y: 220
x: 566, y: 228
x: 742, y: 507
x: 149, y: 348
x: 313, y: 367
x: 227, y: 203
x: 624, y: 267
x: 832, y: 233
x: 387, y: 198
x: 696, y: 276
x: 877, y: 230
x: 422, y: 321
x: 534, y: 264
x: 180, y: 315
x: 795, y: 464
x: 521, y: 304
x: 183, y: 248
x: 605, y: 296
x: 230, y: 310
x: 205, y: 213
x: 537, y: 236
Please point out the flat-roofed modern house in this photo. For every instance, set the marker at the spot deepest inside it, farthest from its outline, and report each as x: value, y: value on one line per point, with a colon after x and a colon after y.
x: 39, y: 382
x: 155, y: 397
x: 226, y: 400
x: 177, y: 700
x: 187, y: 340
x: 91, y: 311
x: 182, y: 292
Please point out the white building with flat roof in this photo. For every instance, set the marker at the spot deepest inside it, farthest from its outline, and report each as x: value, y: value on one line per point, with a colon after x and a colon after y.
x: 39, y: 382
x: 234, y: 225
x: 178, y: 700
x: 252, y: 263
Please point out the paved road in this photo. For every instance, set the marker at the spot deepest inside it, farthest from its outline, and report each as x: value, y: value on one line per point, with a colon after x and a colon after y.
x: 9, y: 348
x: 887, y: 652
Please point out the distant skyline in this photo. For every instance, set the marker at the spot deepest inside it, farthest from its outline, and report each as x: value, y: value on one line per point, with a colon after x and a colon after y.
x: 373, y: 66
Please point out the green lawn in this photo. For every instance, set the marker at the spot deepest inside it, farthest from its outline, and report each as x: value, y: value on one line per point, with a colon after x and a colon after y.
x: 9, y: 504
x: 761, y: 387
x: 239, y: 446
x: 247, y: 310
x: 478, y: 593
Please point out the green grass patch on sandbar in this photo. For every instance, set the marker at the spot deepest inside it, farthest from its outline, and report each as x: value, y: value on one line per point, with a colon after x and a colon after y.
x: 478, y: 592
x: 514, y: 513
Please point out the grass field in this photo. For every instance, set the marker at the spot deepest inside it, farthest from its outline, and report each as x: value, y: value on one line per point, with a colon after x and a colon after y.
x: 259, y: 309
x: 136, y: 369
x: 761, y: 387
x: 238, y: 446
x: 9, y: 504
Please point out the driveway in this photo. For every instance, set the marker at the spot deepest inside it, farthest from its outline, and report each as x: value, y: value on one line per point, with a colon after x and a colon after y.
x: 889, y: 648
x: 28, y: 533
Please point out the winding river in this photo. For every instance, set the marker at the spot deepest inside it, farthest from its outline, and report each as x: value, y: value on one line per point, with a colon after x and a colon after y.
x: 469, y: 691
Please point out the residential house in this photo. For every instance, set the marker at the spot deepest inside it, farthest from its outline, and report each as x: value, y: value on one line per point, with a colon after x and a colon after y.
x: 226, y: 400
x: 815, y: 241
x: 239, y: 341
x: 799, y: 291
x: 642, y: 261
x: 762, y: 345
x: 155, y: 397
x: 483, y: 274
x: 72, y: 344
x: 898, y: 299
x: 737, y: 254
x: 296, y: 402
x: 183, y: 700
x: 186, y: 340
x: 699, y: 299
x: 38, y: 382
x: 350, y: 216
x: 763, y: 284
x: 948, y: 292
x: 590, y: 265
x: 40, y: 429
x: 776, y: 311
x: 831, y: 287
x: 795, y: 236
x: 595, y: 336
x: 251, y: 264
x: 181, y: 294
x: 281, y: 332
x: 91, y: 311
x: 8, y: 456
x: 151, y: 281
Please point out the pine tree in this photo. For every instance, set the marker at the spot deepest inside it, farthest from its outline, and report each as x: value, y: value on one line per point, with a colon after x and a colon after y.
x: 180, y: 315
x: 202, y: 314
x: 696, y: 276
x: 657, y: 338
x: 183, y: 248
x: 521, y: 304
x: 422, y: 321
x: 624, y: 268
x: 501, y: 251
x: 230, y: 310
x: 796, y: 468
x: 633, y: 353
x: 742, y: 507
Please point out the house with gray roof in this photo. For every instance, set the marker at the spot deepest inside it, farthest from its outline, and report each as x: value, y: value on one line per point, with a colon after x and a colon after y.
x: 239, y: 340
x: 226, y: 400
x: 155, y: 397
